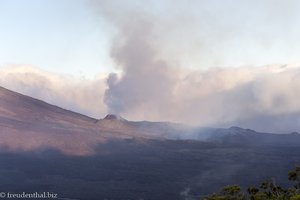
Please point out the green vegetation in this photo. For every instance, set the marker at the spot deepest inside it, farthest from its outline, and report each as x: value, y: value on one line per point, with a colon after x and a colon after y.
x: 268, y: 190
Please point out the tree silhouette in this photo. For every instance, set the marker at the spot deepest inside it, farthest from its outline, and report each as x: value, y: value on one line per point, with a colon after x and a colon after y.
x: 267, y: 190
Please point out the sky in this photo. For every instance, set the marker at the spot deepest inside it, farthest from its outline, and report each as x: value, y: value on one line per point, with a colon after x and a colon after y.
x: 73, y: 36
x: 57, y: 35
x: 200, y: 62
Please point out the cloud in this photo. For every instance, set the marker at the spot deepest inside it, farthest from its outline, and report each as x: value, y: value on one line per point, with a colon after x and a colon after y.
x: 76, y: 94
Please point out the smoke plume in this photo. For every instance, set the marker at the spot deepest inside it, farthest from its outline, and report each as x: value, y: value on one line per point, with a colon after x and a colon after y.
x: 153, y: 87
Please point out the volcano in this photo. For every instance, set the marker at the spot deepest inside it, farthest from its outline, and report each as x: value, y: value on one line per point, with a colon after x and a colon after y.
x: 47, y: 148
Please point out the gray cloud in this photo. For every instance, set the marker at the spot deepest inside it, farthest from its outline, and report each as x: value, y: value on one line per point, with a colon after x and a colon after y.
x: 198, y: 33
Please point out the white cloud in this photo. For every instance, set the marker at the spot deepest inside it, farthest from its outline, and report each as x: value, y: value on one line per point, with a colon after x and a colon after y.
x: 262, y: 98
x: 77, y: 94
